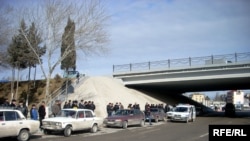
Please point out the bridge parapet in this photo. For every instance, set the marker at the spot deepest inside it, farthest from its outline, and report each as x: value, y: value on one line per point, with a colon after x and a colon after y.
x: 191, y: 63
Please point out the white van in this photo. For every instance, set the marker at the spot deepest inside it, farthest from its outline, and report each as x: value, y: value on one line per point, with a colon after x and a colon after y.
x: 184, y: 112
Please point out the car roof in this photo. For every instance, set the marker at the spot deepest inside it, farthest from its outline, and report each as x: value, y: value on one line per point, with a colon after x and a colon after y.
x: 72, y: 109
x: 8, y: 109
x: 184, y: 105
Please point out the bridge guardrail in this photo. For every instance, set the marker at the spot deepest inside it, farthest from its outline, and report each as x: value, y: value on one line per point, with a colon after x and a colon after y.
x: 213, y: 60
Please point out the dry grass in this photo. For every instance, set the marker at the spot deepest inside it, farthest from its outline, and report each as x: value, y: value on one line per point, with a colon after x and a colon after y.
x: 37, y: 90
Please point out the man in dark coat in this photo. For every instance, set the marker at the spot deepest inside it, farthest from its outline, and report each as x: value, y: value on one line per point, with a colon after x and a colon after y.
x: 42, y: 112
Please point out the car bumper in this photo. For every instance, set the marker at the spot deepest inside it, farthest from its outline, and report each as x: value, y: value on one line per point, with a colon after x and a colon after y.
x: 55, y: 128
x: 178, y: 118
x: 113, y: 123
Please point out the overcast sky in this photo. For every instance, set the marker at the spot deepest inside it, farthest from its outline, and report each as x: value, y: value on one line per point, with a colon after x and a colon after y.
x: 152, y: 30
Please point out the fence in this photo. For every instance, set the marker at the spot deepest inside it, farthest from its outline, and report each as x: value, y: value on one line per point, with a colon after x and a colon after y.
x: 184, y: 63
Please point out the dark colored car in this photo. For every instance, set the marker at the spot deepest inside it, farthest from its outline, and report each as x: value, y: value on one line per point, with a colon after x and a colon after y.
x: 230, y: 110
x: 124, y: 118
x: 157, y: 114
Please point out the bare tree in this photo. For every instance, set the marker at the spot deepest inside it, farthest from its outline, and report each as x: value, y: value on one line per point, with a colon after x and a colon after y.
x: 51, y: 17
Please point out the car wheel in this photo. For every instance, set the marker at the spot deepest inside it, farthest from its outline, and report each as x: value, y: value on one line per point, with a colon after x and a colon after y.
x: 46, y: 132
x: 94, y: 128
x: 67, y: 131
x: 142, y: 123
x: 23, y: 135
x: 124, y: 124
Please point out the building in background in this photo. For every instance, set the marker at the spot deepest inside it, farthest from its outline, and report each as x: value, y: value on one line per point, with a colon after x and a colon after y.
x: 236, y: 97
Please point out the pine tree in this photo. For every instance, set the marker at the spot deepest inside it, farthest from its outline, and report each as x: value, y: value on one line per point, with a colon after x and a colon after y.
x: 68, y: 47
x: 21, y: 56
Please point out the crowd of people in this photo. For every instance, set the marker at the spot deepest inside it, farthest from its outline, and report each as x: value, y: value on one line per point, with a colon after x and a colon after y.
x: 112, y: 108
x: 34, y: 112
x: 56, y: 107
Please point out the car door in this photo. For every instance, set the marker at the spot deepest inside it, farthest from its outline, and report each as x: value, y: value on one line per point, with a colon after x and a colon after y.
x: 80, y: 121
x: 5, y: 131
x: 88, y: 120
x: 10, y: 125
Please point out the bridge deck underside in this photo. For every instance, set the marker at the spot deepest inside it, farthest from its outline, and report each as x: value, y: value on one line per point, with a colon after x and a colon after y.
x: 197, y: 85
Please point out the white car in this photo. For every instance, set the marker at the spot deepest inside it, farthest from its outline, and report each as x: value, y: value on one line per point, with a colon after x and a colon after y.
x: 14, y: 124
x: 72, y: 120
x: 184, y: 112
x: 170, y: 113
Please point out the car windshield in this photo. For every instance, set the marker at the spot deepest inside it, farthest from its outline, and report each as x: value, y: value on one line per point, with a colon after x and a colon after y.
x: 68, y: 113
x: 181, y: 109
x: 123, y: 112
x: 172, y: 110
x: 153, y: 110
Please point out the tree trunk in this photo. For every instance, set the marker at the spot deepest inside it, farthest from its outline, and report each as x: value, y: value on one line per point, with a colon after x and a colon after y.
x: 17, y: 82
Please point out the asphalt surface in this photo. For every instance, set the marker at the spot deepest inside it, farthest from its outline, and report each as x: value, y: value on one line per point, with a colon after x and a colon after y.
x: 161, y: 131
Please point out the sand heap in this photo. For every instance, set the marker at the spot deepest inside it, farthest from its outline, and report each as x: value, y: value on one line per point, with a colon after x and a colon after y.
x: 103, y: 90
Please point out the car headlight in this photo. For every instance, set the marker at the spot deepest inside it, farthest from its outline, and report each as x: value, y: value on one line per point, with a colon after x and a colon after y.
x: 118, y: 120
x: 58, y: 124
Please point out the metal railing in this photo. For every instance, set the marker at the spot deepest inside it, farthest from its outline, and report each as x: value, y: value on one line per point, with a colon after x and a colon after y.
x: 189, y: 62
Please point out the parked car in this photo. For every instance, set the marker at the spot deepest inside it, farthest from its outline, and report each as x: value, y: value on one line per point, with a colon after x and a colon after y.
x: 170, y: 113
x: 157, y: 114
x: 184, y: 112
x: 72, y: 120
x: 124, y: 118
x: 14, y: 124
x: 229, y: 110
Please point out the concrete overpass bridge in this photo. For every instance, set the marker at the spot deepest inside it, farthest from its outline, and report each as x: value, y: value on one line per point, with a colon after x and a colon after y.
x: 208, y: 73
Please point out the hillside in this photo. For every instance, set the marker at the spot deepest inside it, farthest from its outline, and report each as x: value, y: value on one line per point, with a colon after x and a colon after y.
x: 103, y: 90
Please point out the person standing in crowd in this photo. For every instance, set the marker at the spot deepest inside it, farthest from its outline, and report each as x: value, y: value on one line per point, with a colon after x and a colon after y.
x: 148, y: 115
x: 65, y: 106
x: 6, y: 103
x: 56, y: 109
x: 74, y: 104
x: 81, y: 104
x: 13, y: 104
x: 34, y: 112
x: 109, y: 109
x: 92, y: 106
x: 23, y: 108
x: 42, y: 112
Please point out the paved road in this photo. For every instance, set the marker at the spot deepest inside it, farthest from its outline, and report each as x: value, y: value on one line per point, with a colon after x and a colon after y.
x: 162, y: 131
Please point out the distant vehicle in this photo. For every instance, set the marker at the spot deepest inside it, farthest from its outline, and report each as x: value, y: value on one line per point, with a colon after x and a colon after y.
x: 217, y: 61
x: 124, y: 118
x: 72, y: 120
x: 70, y: 74
x: 170, y: 113
x: 184, y: 112
x: 236, y: 97
x: 157, y: 114
x: 14, y: 124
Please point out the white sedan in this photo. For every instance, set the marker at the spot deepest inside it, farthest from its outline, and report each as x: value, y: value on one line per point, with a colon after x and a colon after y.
x: 170, y: 113
x: 72, y: 120
x: 14, y: 124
